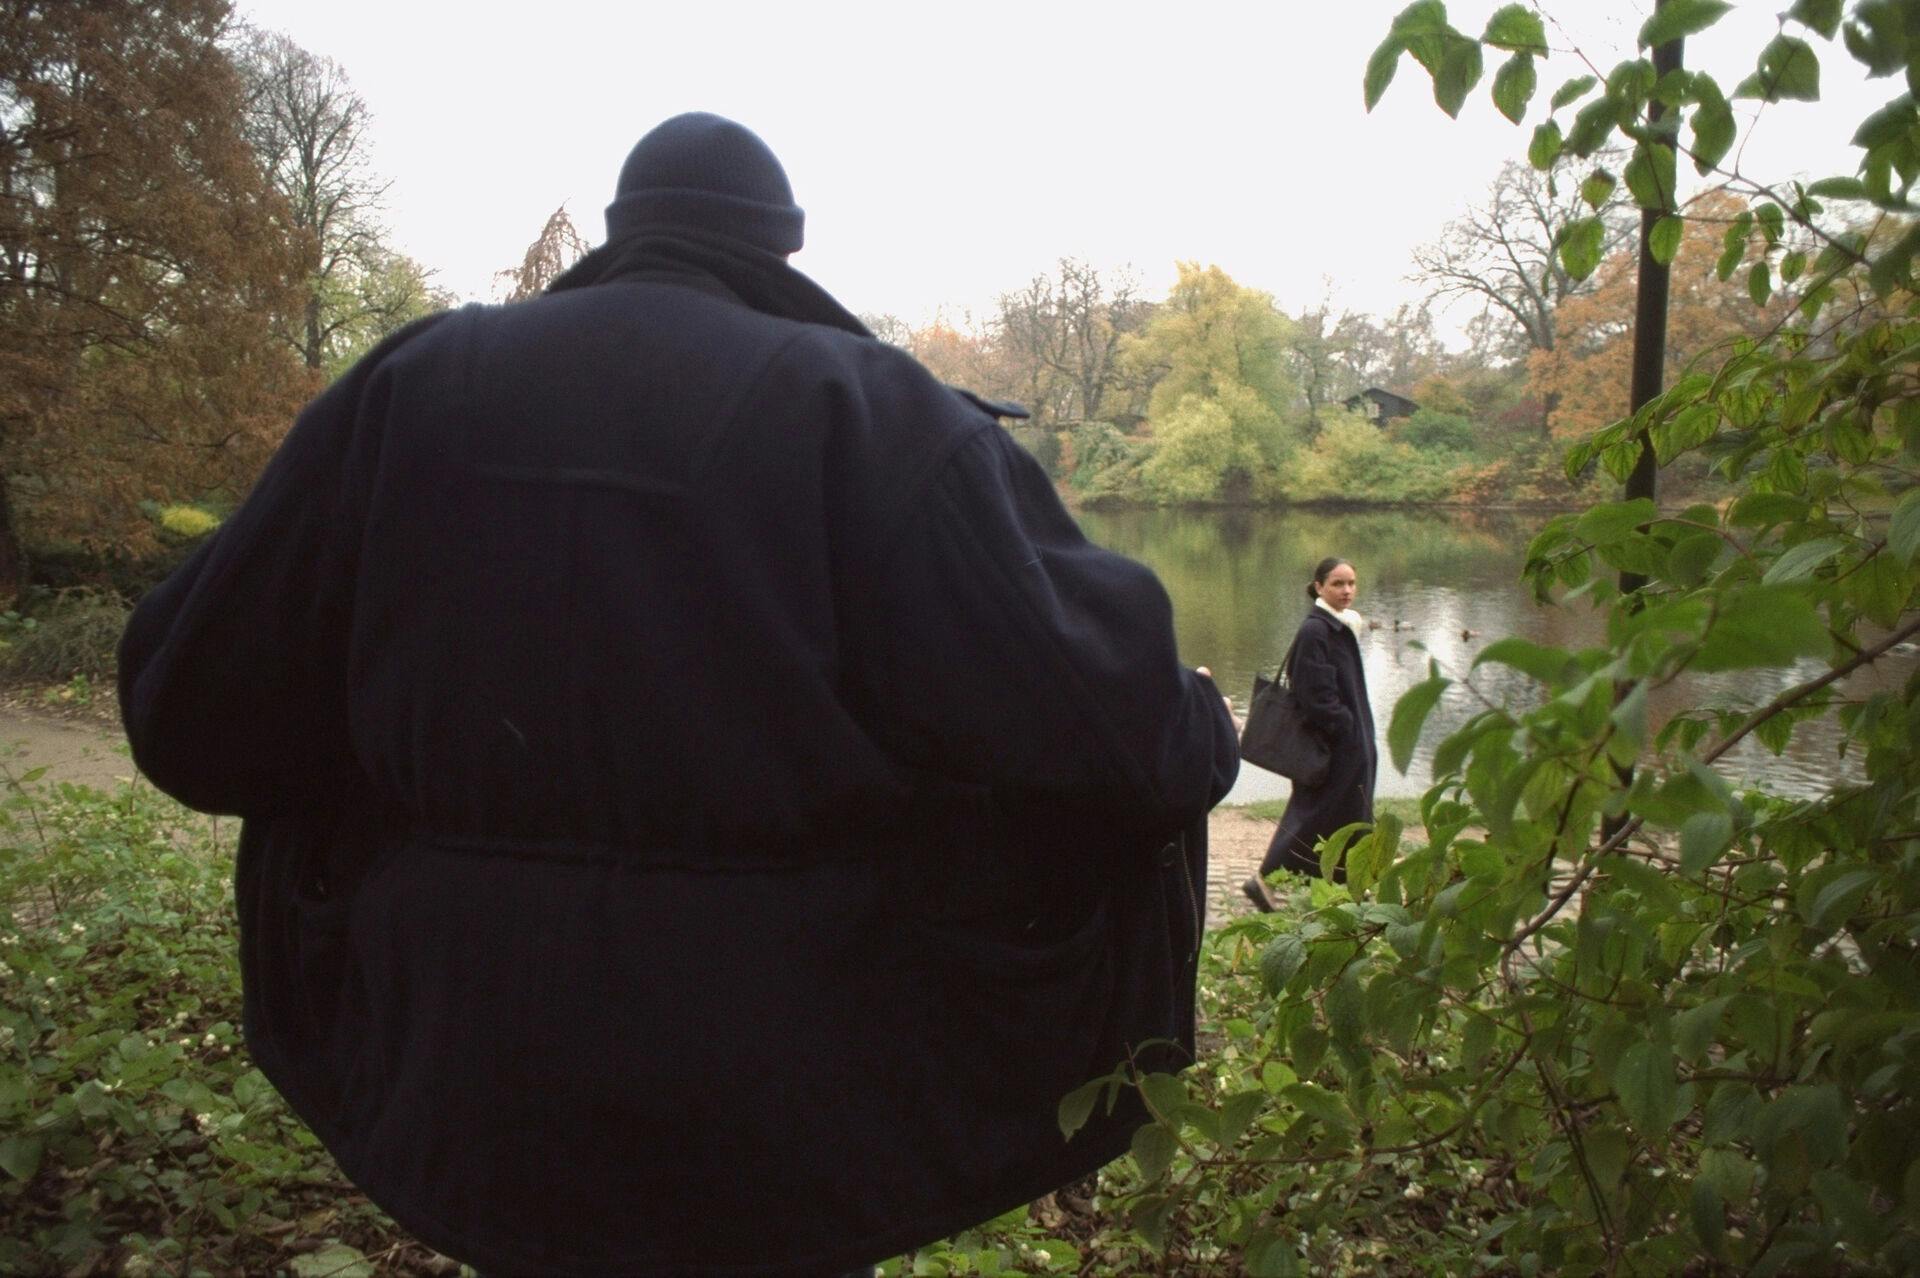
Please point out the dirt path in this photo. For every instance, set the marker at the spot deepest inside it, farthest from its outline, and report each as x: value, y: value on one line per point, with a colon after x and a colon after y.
x: 1235, y: 844
x: 80, y: 751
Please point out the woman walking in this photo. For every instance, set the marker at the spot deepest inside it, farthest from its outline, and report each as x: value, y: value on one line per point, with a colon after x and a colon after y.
x: 1328, y: 679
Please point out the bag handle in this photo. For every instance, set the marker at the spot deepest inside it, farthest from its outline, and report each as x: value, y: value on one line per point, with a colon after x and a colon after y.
x: 1284, y: 675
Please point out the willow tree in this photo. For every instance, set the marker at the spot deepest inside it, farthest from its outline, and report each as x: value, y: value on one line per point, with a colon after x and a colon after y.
x: 1217, y: 352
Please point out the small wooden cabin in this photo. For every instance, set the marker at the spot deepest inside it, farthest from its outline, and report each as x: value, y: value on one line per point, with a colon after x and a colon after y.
x: 1381, y: 406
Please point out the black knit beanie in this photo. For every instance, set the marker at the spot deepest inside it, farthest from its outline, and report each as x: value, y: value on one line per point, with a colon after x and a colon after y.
x: 705, y: 173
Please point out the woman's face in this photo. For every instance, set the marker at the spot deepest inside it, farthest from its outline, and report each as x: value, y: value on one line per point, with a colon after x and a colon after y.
x: 1339, y: 587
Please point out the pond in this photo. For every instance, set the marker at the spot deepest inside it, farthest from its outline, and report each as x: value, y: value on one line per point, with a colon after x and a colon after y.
x: 1434, y: 584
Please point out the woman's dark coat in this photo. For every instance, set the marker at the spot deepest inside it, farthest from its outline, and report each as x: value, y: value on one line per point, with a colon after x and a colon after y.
x: 705, y: 801
x: 1332, y: 685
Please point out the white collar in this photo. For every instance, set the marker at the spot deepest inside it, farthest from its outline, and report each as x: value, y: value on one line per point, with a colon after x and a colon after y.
x: 1348, y: 617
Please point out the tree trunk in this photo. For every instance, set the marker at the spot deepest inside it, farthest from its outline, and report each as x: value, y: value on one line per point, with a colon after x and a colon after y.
x: 310, y: 349
x: 13, y: 560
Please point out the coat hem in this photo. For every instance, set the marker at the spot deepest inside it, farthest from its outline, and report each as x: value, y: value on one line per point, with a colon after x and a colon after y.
x: 1087, y: 1153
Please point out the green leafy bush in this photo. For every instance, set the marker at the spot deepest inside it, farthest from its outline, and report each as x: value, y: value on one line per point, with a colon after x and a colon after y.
x: 135, y: 1138
x: 1429, y: 430
x: 1352, y: 460
x: 1616, y: 1015
x: 61, y: 635
x: 1106, y: 464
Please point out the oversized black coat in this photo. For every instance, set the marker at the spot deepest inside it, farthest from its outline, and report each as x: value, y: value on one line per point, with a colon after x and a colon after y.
x: 1331, y: 684
x: 705, y: 801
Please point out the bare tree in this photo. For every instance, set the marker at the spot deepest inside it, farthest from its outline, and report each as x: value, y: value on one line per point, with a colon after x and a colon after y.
x: 309, y: 129
x: 889, y: 328
x: 1062, y: 333
x: 1502, y: 254
x: 558, y: 246
x: 1393, y: 353
x: 1317, y: 354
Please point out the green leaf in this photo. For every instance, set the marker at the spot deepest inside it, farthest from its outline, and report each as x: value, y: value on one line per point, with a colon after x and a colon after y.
x: 1594, y: 125
x: 1839, y: 188
x: 1572, y: 90
x: 1692, y: 558
x: 1237, y: 1113
x: 1893, y: 269
x: 1704, y: 838
x: 20, y: 1156
x: 1695, y: 1029
x: 1678, y: 19
x: 1513, y: 86
x: 1817, y: 15
x: 1709, y: 1213
x: 1675, y: 88
x: 1728, y: 1170
x: 1714, y: 127
x: 1459, y: 71
x: 1551, y: 666
x: 1517, y: 29
x: 1664, y: 240
x: 1380, y: 68
x: 1650, y: 176
x: 1410, y: 715
x: 1153, y: 1149
x: 1280, y: 960
x: 1801, y: 561
x: 1761, y: 626
x: 1077, y: 1106
x: 1763, y: 510
x: 1272, y: 1258
x: 1644, y: 1081
x: 1164, y: 1094
x: 1629, y: 719
x: 1581, y: 243
x: 1760, y: 283
x: 1838, y: 898
x: 1729, y: 260
x: 1422, y: 18
x: 1889, y: 124
x: 1774, y: 732
x: 1789, y: 70
x: 1545, y: 147
x: 1597, y: 188
x: 1903, y: 533
x: 1150, y: 1217
x: 1613, y: 521
x: 1317, y: 1102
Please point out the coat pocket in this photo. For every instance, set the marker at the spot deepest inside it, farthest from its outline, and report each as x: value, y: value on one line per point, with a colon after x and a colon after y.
x: 1016, y: 1025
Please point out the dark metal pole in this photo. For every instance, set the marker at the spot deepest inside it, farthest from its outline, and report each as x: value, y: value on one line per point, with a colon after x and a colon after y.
x: 1649, y: 359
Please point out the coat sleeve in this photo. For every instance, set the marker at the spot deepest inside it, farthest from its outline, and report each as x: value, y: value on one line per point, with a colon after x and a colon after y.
x: 1002, y: 648
x: 1314, y: 682
x: 233, y: 671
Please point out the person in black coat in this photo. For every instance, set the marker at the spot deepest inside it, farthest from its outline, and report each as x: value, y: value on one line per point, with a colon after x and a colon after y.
x: 1331, y: 683
x: 705, y: 802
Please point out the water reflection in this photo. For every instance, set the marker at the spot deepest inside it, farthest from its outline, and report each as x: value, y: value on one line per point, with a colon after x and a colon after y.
x: 1435, y: 585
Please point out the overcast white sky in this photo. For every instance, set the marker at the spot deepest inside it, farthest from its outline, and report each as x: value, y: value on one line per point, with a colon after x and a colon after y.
x: 946, y: 154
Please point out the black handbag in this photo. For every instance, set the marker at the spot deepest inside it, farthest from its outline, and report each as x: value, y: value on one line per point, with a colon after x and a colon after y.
x: 1277, y: 737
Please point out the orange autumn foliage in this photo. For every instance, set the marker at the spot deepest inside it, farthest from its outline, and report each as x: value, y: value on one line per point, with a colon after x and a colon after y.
x: 1588, y: 373
x: 143, y: 262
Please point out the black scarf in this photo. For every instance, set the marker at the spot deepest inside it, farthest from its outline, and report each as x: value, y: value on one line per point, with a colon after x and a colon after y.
x: 760, y: 279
